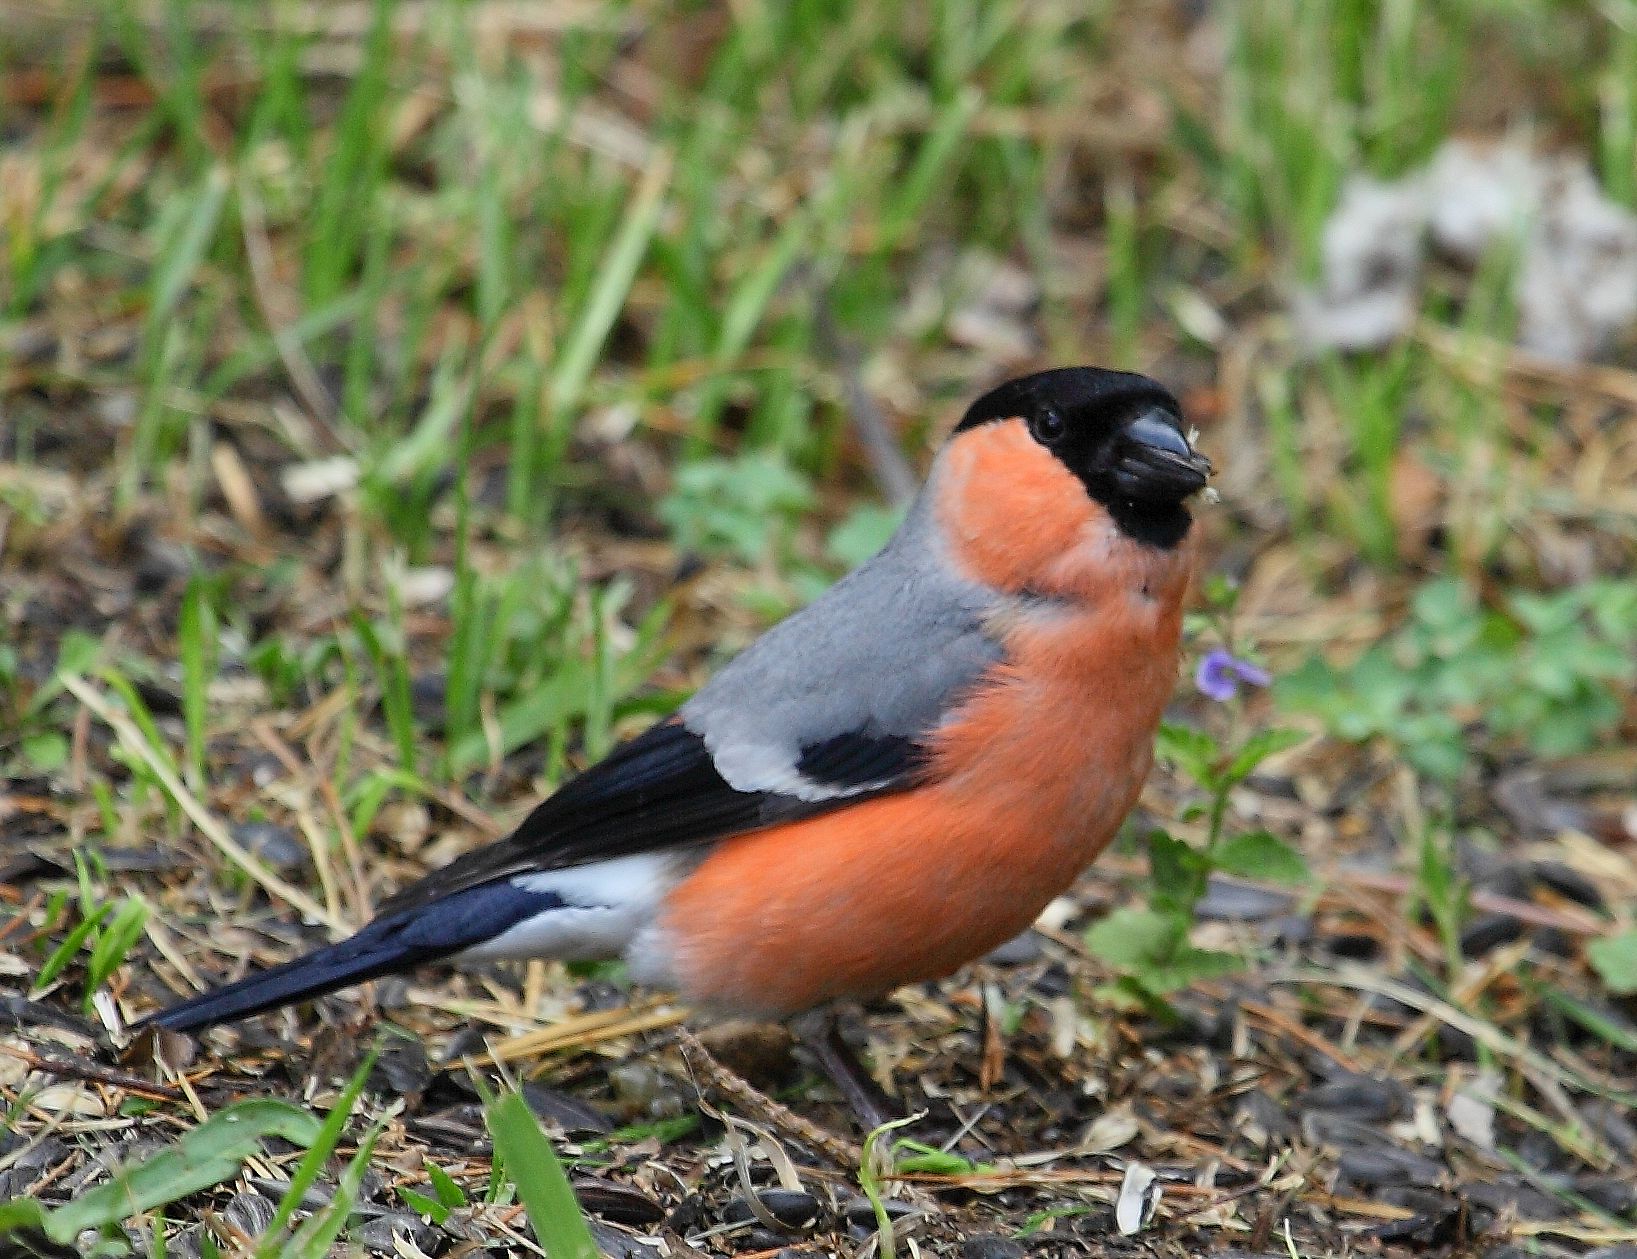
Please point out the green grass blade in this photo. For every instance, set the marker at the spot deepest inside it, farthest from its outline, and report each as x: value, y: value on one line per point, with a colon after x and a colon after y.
x: 181, y: 256
x: 351, y: 176
x: 141, y: 715
x: 744, y: 312
x: 869, y: 1180
x: 318, y: 1153
x: 72, y: 943
x: 201, y: 1158
x: 619, y: 268
x: 314, y: 1239
x: 908, y: 202
x: 450, y: 1194
x: 531, y: 1163
x: 195, y: 632
x: 392, y: 675
x: 1590, y: 1018
x: 112, y: 944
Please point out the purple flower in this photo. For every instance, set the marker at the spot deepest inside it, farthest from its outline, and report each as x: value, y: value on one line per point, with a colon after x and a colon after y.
x: 1220, y: 672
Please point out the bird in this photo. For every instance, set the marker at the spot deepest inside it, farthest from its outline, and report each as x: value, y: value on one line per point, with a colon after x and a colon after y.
x: 885, y: 785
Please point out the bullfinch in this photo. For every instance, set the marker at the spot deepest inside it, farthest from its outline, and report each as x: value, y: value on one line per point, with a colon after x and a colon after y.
x: 887, y: 784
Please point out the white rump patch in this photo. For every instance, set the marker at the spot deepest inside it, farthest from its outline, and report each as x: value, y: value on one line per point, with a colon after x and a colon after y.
x: 606, y: 903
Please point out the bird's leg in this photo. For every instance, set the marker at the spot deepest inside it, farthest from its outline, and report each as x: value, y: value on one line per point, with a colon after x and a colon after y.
x: 819, y: 1032
x: 735, y: 1088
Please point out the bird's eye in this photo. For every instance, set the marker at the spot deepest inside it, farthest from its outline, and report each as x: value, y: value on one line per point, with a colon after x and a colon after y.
x: 1048, y: 425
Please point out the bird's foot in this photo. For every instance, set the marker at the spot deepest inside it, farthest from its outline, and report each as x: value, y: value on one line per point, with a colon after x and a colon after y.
x: 819, y: 1032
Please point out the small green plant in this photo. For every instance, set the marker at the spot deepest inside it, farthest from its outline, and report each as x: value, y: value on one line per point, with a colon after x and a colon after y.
x: 446, y: 1196
x: 740, y: 507
x: 28, y: 723
x: 1545, y: 671
x: 1444, y: 894
x: 105, y: 930
x: 871, y: 1169
x: 201, y: 1158
x: 1149, y: 944
x: 1614, y: 958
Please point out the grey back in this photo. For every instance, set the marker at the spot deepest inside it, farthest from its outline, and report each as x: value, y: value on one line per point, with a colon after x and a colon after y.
x: 885, y: 652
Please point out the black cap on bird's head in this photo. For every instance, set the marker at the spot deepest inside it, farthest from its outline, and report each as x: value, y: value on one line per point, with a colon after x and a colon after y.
x: 1120, y: 433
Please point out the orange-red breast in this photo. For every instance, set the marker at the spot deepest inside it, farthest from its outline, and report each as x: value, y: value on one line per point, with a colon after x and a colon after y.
x: 885, y: 785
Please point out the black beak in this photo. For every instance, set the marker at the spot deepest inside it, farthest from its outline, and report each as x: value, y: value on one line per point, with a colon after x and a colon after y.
x: 1153, y: 460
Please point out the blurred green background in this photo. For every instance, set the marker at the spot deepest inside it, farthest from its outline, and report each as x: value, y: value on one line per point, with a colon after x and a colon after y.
x: 521, y: 291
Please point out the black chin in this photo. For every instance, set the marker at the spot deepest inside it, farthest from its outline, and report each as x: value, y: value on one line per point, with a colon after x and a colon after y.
x: 1158, y: 524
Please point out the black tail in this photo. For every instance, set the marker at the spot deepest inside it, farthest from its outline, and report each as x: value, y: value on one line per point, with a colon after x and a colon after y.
x: 324, y: 970
x: 394, y: 943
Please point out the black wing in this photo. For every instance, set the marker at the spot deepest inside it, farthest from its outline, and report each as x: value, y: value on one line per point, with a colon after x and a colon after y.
x: 662, y: 790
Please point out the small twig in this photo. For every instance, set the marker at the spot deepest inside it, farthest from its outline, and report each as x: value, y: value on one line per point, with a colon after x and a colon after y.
x: 37, y: 1139
x: 21, y: 917
x: 992, y: 1065
x: 50, y: 1177
x: 1012, y: 1178
x: 1563, y: 918
x: 894, y: 476
x: 92, y: 1074
x: 1212, y: 1204
x: 741, y: 1092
